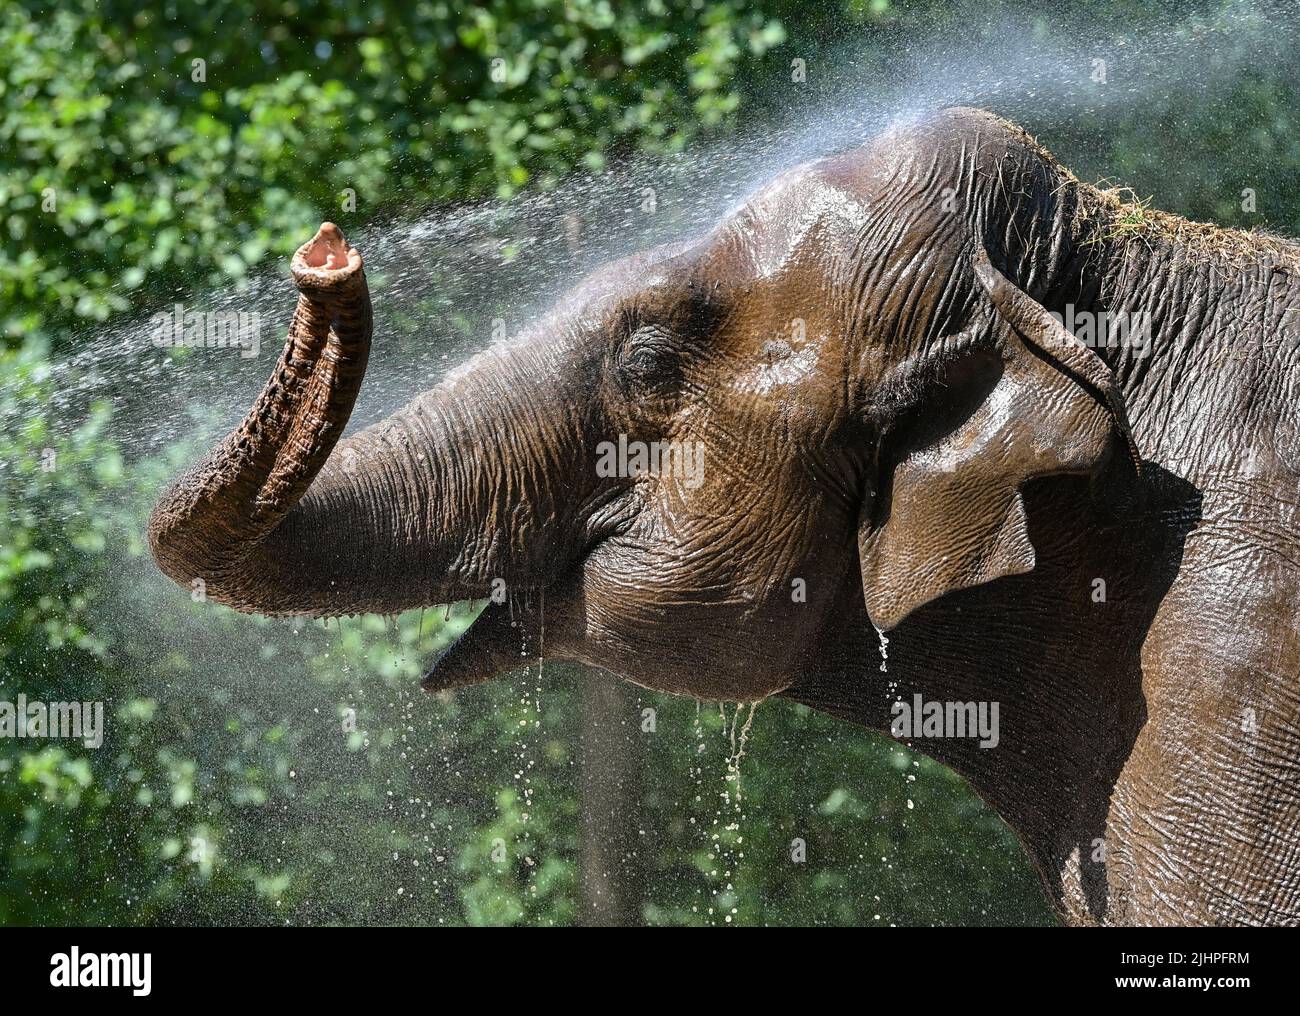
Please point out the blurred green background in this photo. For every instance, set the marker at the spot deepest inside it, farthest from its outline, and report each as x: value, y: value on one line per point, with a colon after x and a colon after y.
x: 234, y: 785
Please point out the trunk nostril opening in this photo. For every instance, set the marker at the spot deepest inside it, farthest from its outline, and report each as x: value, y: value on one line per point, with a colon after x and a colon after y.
x: 326, y: 257
x: 325, y: 247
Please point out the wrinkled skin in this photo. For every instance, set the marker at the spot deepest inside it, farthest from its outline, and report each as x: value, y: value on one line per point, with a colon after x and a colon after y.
x: 893, y: 430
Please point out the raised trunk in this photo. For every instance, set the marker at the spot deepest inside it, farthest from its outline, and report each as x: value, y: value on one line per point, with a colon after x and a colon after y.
x: 479, y: 479
x: 277, y: 519
x: 218, y: 529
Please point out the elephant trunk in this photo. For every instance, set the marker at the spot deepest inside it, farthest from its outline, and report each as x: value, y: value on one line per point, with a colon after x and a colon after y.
x: 212, y: 527
x: 445, y: 500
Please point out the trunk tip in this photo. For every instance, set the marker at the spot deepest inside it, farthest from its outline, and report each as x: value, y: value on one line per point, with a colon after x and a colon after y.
x: 326, y: 260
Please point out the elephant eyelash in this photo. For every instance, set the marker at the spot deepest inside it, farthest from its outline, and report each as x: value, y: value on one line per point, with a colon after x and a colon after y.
x: 647, y: 360
x: 628, y: 319
x: 655, y: 341
x: 651, y: 337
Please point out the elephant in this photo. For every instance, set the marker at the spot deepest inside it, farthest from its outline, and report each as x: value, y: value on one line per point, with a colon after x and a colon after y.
x: 843, y: 448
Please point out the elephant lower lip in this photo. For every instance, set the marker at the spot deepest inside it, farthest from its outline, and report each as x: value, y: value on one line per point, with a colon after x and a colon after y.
x: 487, y: 647
x: 444, y: 673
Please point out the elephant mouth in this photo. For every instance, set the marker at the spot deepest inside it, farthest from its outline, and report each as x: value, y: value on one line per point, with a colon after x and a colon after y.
x: 514, y: 627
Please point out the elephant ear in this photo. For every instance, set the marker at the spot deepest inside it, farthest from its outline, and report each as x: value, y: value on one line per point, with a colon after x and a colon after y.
x: 954, y: 516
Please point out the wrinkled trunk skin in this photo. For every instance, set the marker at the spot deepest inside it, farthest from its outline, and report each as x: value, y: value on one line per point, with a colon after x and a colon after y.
x: 229, y: 526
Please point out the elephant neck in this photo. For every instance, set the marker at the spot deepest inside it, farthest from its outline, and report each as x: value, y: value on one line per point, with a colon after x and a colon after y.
x: 1202, y: 328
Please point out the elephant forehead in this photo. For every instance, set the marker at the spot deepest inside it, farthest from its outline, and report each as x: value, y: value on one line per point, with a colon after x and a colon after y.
x: 797, y: 219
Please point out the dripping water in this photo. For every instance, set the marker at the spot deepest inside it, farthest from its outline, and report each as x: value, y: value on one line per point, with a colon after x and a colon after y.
x: 726, y: 838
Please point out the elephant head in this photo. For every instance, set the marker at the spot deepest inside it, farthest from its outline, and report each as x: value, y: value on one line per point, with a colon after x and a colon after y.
x: 700, y: 454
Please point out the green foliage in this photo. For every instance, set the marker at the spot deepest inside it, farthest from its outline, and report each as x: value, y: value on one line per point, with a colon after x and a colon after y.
x: 121, y: 174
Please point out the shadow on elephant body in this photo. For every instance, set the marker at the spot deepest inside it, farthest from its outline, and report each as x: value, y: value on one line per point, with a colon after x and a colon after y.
x: 1063, y: 663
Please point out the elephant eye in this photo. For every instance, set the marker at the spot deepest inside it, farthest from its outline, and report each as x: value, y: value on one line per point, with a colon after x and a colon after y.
x: 649, y: 356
